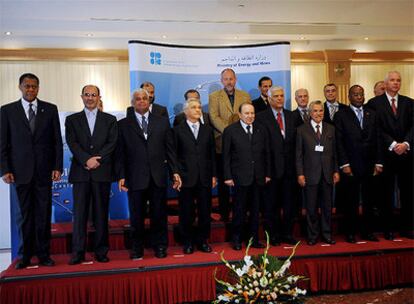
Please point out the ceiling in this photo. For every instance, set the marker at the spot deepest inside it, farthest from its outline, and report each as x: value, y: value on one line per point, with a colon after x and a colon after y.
x: 310, y: 25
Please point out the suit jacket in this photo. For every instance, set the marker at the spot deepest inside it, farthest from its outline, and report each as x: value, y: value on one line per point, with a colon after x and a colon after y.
x: 193, y: 159
x: 282, y: 149
x: 181, y: 117
x: 85, y: 145
x: 156, y: 109
x: 355, y: 146
x: 326, y: 116
x: 313, y: 164
x: 140, y: 159
x: 297, y: 117
x: 260, y: 104
x: 397, y: 128
x: 243, y: 161
x: 222, y: 114
x: 25, y: 154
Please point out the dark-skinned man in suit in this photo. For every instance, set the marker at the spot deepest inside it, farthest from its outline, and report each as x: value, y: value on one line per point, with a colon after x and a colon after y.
x: 31, y: 157
x: 359, y: 159
x: 91, y: 136
x: 246, y: 162
x: 142, y: 172
x: 280, y: 192
x: 317, y: 171
x: 395, y: 122
x: 191, y: 151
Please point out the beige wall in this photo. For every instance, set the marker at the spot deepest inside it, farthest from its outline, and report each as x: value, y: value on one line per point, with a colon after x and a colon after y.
x: 367, y: 74
x: 61, y: 82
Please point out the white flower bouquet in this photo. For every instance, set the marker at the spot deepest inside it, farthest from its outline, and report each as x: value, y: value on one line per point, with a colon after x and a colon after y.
x: 260, y: 279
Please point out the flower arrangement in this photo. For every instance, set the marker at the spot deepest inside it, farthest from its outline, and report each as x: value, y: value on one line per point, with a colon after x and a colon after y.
x: 260, y: 279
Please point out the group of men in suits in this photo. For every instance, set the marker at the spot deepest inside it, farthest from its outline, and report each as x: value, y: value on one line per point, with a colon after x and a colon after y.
x: 265, y: 152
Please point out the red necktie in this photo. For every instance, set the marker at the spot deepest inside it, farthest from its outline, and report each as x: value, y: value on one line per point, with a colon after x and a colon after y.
x: 279, y: 121
x: 393, y: 106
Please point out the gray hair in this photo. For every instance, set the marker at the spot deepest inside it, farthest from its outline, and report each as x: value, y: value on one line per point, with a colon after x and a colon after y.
x: 314, y: 103
x: 274, y: 88
x: 190, y: 100
x: 138, y: 91
x: 387, y: 76
x: 301, y: 89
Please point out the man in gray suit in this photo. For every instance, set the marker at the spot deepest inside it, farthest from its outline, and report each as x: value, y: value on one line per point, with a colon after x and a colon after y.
x: 317, y: 171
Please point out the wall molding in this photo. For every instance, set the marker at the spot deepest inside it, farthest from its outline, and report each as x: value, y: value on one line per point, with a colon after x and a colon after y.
x: 40, y: 54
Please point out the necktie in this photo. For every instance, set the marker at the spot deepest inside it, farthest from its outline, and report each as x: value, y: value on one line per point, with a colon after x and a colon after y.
x: 249, y: 132
x: 195, y: 130
x: 318, y: 132
x: 279, y: 121
x: 359, y: 115
x: 305, y: 115
x: 332, y: 111
x: 393, y: 106
x: 144, y: 124
x: 32, y: 118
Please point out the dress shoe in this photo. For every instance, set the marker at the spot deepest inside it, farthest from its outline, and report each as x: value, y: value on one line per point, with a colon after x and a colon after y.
x: 275, y: 241
x: 290, y: 241
x: 23, y: 263
x: 136, y: 254
x: 350, y: 239
x: 76, y: 259
x: 47, y: 261
x: 161, y: 252
x: 258, y: 245
x: 329, y: 241
x: 237, y: 246
x: 101, y: 258
x: 204, y: 247
x: 311, y: 242
x: 371, y: 237
x: 188, y: 249
x: 389, y: 236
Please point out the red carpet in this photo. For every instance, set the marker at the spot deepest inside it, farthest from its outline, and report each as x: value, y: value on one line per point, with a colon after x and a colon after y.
x: 183, y: 278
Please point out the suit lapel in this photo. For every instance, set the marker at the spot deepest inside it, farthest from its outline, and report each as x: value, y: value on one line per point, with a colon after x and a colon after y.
x: 84, y: 123
x: 133, y: 123
x: 189, y: 133
x: 226, y: 98
x: 40, y: 117
x: 98, y: 123
x: 21, y: 114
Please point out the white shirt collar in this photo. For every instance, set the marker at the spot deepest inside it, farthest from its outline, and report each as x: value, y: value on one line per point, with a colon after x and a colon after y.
x: 313, y: 124
x: 26, y: 104
x: 244, y: 125
x: 190, y: 124
x: 139, y: 116
x: 88, y: 112
x: 390, y: 97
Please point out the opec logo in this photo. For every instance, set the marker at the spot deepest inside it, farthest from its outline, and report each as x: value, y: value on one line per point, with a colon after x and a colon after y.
x: 155, y: 58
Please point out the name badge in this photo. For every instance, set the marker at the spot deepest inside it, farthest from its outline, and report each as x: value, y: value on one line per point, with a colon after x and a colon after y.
x: 319, y: 148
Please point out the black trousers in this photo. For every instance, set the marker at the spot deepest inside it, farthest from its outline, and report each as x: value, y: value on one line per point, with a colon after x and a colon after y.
x: 357, y: 188
x: 35, y: 203
x: 223, y: 189
x: 400, y: 169
x: 84, y: 194
x: 321, y: 192
x: 199, y: 198
x: 158, y: 216
x: 246, y: 198
x: 280, y: 194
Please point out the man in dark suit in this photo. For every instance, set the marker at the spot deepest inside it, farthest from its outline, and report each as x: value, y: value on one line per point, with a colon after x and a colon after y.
x: 359, y: 159
x: 395, y: 121
x: 332, y: 105
x: 191, y: 151
x: 154, y: 108
x: 301, y: 114
x: 31, y: 158
x: 262, y: 102
x: 317, y: 171
x: 246, y: 161
x: 223, y: 107
x: 280, y: 192
x: 142, y: 171
x: 91, y: 136
x: 191, y: 94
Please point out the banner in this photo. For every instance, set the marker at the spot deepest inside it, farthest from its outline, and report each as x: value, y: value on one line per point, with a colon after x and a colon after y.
x: 174, y: 69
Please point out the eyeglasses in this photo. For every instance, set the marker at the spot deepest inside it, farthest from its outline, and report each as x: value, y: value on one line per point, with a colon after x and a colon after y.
x: 90, y: 95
